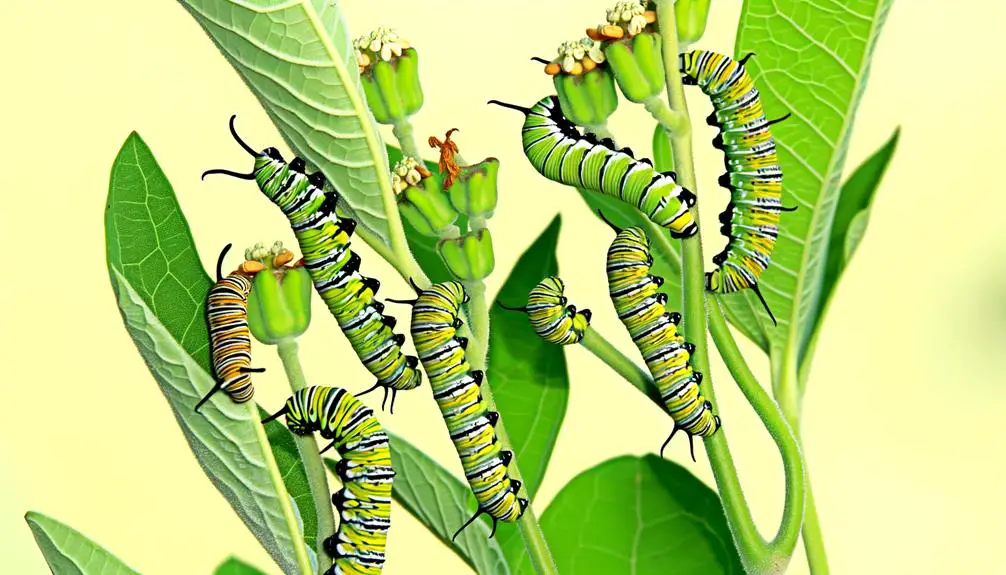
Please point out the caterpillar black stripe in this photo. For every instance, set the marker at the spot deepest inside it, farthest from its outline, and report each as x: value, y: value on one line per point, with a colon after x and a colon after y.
x: 335, y: 269
x: 364, y: 502
x: 456, y: 389
x: 753, y: 176
x: 640, y: 306
x: 230, y: 339
x: 557, y: 149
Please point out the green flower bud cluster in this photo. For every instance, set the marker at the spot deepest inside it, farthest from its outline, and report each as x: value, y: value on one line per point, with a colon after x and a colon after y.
x: 631, y: 47
x: 389, y: 72
x: 420, y: 199
x: 279, y: 305
x: 585, y: 86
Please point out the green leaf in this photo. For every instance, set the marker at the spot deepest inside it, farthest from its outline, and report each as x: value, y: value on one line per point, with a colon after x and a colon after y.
x: 803, y: 67
x: 638, y: 515
x: 424, y: 248
x: 235, y: 566
x: 161, y: 289
x: 69, y: 552
x: 297, y: 57
x: 441, y: 503
x: 528, y: 375
x: 291, y: 469
x: 849, y: 225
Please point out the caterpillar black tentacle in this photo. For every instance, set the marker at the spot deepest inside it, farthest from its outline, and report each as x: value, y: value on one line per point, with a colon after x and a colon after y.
x: 324, y: 240
x: 364, y: 502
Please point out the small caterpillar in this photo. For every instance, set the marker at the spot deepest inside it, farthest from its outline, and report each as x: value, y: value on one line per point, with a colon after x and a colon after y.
x: 753, y: 176
x: 641, y: 308
x: 364, y: 502
x: 230, y: 340
x: 334, y: 268
x: 557, y: 149
x: 456, y: 389
x: 552, y: 319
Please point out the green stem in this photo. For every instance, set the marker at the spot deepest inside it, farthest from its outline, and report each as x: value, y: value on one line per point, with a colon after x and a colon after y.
x: 307, y: 447
x: 672, y: 121
x: 753, y: 551
x: 775, y: 422
x: 530, y: 531
x: 602, y: 349
x: 299, y: 549
x: 813, y: 540
x: 403, y: 132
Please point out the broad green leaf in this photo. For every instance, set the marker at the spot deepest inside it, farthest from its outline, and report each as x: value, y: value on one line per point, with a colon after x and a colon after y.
x: 235, y: 566
x: 161, y: 288
x: 442, y: 503
x: 297, y: 57
x: 69, y: 552
x: 291, y: 469
x: 424, y: 248
x: 805, y: 67
x: 848, y: 227
x: 638, y: 515
x: 528, y: 375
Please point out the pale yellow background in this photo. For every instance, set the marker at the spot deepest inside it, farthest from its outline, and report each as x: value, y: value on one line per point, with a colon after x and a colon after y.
x: 903, y: 430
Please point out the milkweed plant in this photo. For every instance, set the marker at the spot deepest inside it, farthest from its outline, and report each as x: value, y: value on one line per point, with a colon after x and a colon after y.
x: 426, y: 209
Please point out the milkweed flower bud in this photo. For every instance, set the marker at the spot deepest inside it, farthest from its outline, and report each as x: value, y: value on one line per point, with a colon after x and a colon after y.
x: 279, y: 305
x: 691, y: 16
x: 583, y: 82
x: 469, y: 257
x: 420, y: 199
x: 474, y: 190
x: 389, y: 72
x: 631, y: 47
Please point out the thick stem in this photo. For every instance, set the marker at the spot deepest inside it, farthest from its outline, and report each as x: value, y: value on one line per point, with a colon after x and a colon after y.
x: 402, y: 130
x: 673, y: 122
x: 317, y: 478
x: 602, y: 349
x: 775, y: 422
x: 300, y: 551
x: 752, y: 549
x: 813, y: 539
x: 530, y: 530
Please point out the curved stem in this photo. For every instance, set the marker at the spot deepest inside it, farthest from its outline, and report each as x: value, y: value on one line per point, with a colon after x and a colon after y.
x: 751, y: 547
x: 674, y: 122
x: 813, y: 540
x: 602, y: 349
x: 530, y: 530
x: 317, y: 479
x: 775, y: 422
x: 285, y: 503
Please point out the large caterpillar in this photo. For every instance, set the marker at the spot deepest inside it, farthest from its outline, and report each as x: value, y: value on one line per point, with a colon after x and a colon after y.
x: 334, y: 268
x: 640, y: 306
x: 230, y: 340
x: 456, y: 388
x: 557, y: 149
x: 364, y: 502
x: 552, y: 319
x: 754, y: 178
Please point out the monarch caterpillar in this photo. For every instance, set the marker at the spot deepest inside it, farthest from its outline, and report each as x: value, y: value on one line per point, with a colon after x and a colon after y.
x: 230, y: 340
x: 557, y: 149
x: 753, y: 176
x: 364, y: 502
x: 334, y: 268
x: 456, y: 389
x: 641, y: 308
x: 551, y: 318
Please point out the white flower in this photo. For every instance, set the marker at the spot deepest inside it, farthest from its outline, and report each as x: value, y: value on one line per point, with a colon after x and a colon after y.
x: 596, y: 53
x: 636, y: 24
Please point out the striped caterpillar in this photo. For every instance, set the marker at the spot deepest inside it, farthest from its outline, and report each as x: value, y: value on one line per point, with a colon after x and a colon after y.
x: 364, y: 502
x: 753, y: 176
x: 335, y: 269
x: 557, y: 149
x: 230, y: 339
x: 640, y: 307
x: 456, y: 389
x: 552, y: 319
